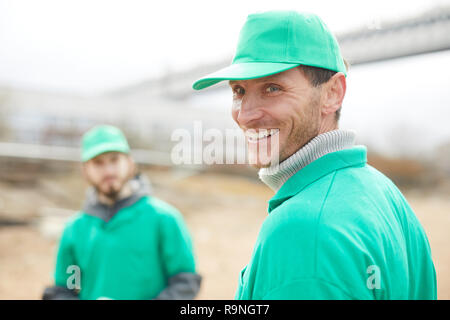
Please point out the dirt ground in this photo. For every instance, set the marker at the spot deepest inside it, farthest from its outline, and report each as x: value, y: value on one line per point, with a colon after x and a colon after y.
x: 223, y: 213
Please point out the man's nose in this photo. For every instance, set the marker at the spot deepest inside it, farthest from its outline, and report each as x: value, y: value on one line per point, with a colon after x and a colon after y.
x: 249, y: 112
x: 109, y: 169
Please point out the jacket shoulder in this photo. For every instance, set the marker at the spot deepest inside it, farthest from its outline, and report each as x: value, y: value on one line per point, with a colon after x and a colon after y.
x: 161, y: 207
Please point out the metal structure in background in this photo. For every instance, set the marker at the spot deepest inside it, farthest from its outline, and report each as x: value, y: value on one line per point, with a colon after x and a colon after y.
x: 425, y: 33
x: 59, y: 153
x: 38, y: 118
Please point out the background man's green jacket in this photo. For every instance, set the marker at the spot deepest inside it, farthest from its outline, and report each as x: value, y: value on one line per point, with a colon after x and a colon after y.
x: 138, y: 249
x: 339, y: 229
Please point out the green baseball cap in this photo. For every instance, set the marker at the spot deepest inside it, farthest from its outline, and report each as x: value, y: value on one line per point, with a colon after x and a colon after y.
x: 101, y: 139
x: 275, y: 41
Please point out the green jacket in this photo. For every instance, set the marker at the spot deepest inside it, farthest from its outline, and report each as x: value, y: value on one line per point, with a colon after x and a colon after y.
x: 130, y: 254
x: 339, y: 229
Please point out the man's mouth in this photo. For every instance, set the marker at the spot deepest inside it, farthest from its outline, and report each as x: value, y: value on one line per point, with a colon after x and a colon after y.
x: 109, y: 180
x: 258, y: 135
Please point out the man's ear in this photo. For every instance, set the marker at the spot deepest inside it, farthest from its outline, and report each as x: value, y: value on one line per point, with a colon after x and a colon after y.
x: 333, y: 93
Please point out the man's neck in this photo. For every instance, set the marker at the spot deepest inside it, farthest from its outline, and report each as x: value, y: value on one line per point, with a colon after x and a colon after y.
x: 317, y: 147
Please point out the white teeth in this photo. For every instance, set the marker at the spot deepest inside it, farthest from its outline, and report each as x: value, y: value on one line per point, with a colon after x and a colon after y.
x: 254, y: 135
x: 274, y: 131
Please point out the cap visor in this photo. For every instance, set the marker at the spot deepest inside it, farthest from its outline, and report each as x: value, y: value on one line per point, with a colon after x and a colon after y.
x: 242, y: 71
x: 103, y: 148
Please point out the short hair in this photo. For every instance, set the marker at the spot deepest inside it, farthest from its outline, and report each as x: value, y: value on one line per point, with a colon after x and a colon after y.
x: 318, y: 76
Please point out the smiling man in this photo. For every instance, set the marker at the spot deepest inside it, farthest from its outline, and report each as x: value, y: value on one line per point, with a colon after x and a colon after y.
x: 124, y: 243
x: 337, y: 228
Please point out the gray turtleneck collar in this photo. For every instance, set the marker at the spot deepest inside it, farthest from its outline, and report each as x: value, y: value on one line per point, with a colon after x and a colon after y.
x: 317, y: 147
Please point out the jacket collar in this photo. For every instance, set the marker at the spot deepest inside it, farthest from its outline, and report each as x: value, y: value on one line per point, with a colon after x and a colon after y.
x: 140, y: 186
x: 356, y: 156
x: 327, y: 142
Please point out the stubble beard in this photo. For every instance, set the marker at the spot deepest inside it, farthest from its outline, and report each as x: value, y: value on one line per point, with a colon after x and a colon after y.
x: 112, y: 193
x: 304, y: 131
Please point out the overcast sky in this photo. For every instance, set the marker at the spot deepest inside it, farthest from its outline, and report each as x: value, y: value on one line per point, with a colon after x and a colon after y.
x: 88, y: 46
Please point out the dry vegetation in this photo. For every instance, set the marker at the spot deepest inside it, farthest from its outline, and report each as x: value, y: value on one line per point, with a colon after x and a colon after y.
x: 223, y: 211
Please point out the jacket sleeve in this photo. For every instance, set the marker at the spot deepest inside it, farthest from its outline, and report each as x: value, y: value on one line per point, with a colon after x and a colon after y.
x: 64, y: 259
x: 182, y: 286
x: 59, y: 293
x: 177, y: 257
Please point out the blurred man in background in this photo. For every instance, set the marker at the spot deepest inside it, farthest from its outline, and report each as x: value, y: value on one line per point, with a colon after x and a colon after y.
x: 337, y: 228
x: 125, y: 243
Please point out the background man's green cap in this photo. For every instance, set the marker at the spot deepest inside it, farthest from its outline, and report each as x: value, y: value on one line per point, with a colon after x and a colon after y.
x: 101, y: 139
x: 275, y: 41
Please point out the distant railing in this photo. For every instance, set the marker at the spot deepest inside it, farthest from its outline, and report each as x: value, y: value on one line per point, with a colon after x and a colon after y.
x: 59, y: 153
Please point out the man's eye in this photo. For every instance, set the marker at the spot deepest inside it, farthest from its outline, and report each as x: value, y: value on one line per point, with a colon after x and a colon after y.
x: 271, y: 89
x: 238, y: 90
